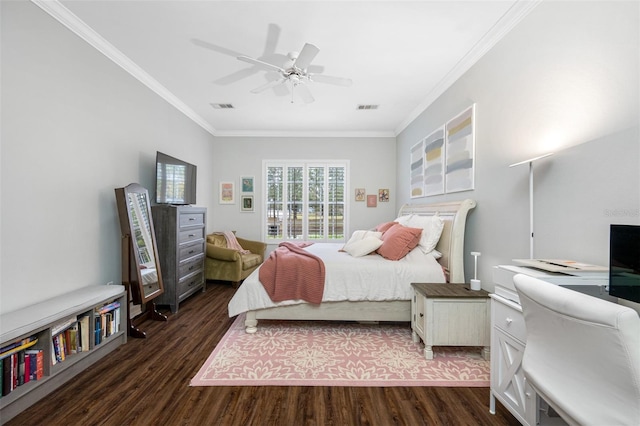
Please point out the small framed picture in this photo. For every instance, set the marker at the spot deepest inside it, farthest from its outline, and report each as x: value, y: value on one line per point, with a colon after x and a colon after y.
x: 372, y: 200
x: 246, y: 183
x: 360, y: 194
x: 246, y: 203
x: 383, y: 195
x: 227, y: 193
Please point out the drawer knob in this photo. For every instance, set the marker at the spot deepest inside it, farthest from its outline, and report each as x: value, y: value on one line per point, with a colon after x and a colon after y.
x: 509, y: 321
x: 421, y: 315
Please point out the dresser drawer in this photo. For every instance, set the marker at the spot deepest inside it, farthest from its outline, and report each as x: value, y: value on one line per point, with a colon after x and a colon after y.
x: 190, y: 235
x: 190, y: 250
x: 509, y: 319
x: 190, y: 266
x: 190, y: 282
x: 191, y: 219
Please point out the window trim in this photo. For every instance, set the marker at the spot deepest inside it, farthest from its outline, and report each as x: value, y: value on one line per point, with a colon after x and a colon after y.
x: 305, y: 164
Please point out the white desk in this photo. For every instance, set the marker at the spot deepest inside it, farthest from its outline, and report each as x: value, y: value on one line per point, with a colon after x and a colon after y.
x: 508, y: 339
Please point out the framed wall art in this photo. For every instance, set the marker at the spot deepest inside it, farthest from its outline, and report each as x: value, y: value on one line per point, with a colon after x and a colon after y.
x: 416, y: 175
x: 360, y: 194
x: 246, y: 203
x: 460, y: 152
x: 434, y: 157
x: 372, y: 200
x: 383, y: 195
x: 246, y: 184
x: 227, y: 193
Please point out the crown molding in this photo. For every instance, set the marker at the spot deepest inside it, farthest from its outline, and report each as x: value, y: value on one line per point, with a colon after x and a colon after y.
x: 506, y: 23
x: 85, y: 32
x: 303, y: 134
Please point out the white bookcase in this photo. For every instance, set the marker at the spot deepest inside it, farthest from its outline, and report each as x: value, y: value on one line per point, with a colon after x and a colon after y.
x: 39, y: 320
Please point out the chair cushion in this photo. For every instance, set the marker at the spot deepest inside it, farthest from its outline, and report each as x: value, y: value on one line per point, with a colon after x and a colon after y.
x: 217, y: 240
x: 250, y: 260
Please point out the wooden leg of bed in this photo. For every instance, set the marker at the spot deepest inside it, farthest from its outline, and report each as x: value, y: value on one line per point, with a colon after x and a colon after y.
x: 251, y: 323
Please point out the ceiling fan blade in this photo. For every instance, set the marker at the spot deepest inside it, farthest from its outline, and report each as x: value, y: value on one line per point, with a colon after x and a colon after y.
x: 273, y: 34
x: 268, y: 85
x: 309, y: 51
x: 304, y: 93
x: 315, y: 69
x: 236, y: 76
x: 320, y: 78
x: 281, y: 90
x: 261, y: 64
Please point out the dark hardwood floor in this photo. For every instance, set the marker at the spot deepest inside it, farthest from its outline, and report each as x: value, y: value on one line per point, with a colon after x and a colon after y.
x: 146, y: 382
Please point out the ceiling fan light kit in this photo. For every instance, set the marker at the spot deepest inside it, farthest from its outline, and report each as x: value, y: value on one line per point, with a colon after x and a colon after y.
x: 295, y: 72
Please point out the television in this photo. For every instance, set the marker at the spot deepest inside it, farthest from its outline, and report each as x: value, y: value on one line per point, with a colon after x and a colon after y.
x: 624, y: 262
x: 175, y: 180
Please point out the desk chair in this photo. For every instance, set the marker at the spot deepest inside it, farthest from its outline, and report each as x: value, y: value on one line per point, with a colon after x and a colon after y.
x: 582, y: 354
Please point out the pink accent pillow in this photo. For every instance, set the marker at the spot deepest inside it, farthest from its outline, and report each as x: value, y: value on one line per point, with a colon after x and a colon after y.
x: 385, y: 226
x: 398, y: 241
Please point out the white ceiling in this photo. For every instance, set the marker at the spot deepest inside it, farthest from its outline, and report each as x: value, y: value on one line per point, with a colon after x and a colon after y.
x: 400, y: 55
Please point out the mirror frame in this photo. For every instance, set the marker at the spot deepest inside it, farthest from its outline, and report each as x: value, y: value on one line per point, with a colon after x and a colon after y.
x: 131, y: 275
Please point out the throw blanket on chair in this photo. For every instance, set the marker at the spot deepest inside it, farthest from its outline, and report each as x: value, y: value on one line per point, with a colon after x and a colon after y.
x: 232, y: 241
x: 292, y: 273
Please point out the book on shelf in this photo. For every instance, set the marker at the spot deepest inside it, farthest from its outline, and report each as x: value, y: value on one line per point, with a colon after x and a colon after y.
x: 18, y: 346
x: 63, y: 325
x: 84, y: 332
x: 108, y: 307
x: 20, y: 368
x: 37, y: 363
x: 6, y: 376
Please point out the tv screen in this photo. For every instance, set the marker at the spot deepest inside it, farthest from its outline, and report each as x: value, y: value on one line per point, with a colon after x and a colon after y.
x: 624, y: 262
x: 175, y: 180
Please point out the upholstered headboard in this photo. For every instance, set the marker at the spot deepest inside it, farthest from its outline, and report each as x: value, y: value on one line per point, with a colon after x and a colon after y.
x: 451, y: 243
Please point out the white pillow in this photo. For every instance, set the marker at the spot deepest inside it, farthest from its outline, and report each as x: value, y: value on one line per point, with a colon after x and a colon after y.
x: 362, y: 247
x: 404, y: 220
x: 432, y: 227
x: 359, y: 235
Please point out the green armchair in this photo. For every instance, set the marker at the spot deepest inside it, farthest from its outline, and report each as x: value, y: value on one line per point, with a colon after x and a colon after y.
x: 225, y: 264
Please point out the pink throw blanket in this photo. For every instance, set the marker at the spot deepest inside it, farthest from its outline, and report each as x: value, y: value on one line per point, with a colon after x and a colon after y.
x: 233, y: 243
x: 292, y: 273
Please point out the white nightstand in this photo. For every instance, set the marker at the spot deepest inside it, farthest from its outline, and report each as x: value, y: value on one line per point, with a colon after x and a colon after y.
x: 450, y: 315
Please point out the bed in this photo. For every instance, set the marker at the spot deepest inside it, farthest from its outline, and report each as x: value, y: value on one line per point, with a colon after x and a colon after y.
x: 370, y: 303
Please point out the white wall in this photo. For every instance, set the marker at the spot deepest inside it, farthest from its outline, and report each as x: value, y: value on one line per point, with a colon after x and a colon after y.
x: 564, y: 80
x: 372, y: 166
x: 74, y: 127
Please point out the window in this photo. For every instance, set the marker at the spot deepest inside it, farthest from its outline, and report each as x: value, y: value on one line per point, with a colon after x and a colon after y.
x: 305, y: 201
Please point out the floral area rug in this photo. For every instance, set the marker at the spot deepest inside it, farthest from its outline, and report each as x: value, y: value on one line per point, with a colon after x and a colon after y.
x: 319, y: 353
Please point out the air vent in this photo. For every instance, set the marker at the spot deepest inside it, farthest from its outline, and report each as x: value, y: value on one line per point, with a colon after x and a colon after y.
x: 222, y: 106
x: 359, y: 107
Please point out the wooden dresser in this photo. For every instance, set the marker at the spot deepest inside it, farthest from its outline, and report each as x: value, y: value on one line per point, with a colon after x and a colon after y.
x: 180, y: 236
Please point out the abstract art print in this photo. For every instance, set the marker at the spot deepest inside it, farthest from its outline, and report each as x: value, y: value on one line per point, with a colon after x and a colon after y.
x: 460, y: 152
x: 417, y: 170
x: 434, y: 158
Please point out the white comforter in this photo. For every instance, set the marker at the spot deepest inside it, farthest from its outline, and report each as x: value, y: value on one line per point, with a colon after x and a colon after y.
x: 370, y: 277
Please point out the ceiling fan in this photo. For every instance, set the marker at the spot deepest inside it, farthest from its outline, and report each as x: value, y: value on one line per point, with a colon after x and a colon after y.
x: 296, y: 72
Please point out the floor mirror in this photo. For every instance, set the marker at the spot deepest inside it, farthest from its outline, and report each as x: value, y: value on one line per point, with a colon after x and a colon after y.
x: 141, y: 272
